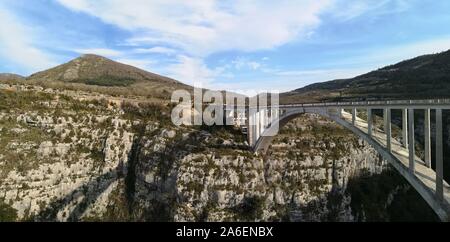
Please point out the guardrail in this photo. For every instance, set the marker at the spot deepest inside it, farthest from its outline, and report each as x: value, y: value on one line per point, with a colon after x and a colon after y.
x: 372, y: 103
x: 357, y: 103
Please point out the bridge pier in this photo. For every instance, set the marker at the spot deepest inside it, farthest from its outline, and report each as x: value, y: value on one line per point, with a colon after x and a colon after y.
x: 274, y: 114
x: 384, y: 118
x: 412, y: 158
x: 369, y: 122
x: 354, y: 116
x: 257, y: 126
x: 262, y: 118
x: 405, y: 128
x: 427, y: 137
x: 439, y: 157
x: 250, y: 130
x: 388, y: 128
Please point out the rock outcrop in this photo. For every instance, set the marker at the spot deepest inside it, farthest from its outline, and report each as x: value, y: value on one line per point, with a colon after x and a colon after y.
x: 66, y: 159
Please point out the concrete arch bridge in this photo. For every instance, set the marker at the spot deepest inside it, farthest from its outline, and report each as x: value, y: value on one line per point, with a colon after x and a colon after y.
x: 262, y: 125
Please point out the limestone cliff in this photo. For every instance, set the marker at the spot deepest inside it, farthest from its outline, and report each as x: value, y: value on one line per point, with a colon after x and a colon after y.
x: 66, y: 158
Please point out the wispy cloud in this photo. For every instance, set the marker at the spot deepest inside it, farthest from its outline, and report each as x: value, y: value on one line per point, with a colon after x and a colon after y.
x: 349, y: 9
x: 374, y: 58
x: 204, y: 27
x: 17, y: 45
x: 140, y: 63
x: 192, y: 71
x: 155, y: 50
x: 242, y: 62
x: 100, y: 51
x: 409, y: 50
x: 323, y: 74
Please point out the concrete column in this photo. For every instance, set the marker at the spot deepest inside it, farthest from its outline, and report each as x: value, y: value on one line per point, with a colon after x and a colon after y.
x: 439, y: 157
x: 369, y: 122
x: 412, y: 160
x: 266, y: 118
x: 405, y: 127
x: 339, y: 110
x: 255, y: 132
x: 258, y: 126
x: 272, y: 115
x: 427, y: 138
x: 388, y: 128
x: 241, y: 116
x: 230, y: 116
x: 354, y: 116
x: 250, y: 130
x: 275, y: 114
x: 262, y: 119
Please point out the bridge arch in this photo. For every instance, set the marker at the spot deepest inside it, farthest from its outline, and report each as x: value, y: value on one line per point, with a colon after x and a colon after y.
x: 418, y: 180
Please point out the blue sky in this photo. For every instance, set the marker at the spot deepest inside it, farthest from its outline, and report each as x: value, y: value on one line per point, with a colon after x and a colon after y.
x: 224, y: 44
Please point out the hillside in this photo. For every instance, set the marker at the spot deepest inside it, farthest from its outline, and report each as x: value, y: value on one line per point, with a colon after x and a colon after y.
x: 423, y: 77
x: 97, y: 73
x: 98, y: 70
x: 10, y: 77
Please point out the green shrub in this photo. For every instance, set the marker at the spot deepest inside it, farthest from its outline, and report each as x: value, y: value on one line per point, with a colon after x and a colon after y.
x: 107, y: 81
x: 7, y: 213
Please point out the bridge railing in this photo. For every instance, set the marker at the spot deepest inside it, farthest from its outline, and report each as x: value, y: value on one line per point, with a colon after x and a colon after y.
x: 353, y: 104
x: 370, y: 103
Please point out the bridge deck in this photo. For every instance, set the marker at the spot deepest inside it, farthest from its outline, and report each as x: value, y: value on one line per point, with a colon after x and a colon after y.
x: 426, y: 175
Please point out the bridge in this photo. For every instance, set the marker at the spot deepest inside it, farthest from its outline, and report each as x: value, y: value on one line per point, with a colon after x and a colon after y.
x: 262, y: 125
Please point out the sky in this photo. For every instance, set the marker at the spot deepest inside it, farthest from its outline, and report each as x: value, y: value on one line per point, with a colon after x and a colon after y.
x: 223, y: 44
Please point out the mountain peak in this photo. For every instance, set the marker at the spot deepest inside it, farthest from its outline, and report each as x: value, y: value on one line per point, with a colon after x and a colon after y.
x: 92, y: 57
x: 97, y: 70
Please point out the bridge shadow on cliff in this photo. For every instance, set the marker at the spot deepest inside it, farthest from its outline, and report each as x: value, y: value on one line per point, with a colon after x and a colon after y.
x: 82, y: 197
x: 85, y: 195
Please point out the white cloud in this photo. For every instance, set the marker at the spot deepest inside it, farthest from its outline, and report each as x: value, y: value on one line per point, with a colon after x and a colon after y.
x: 240, y: 63
x: 156, y: 50
x: 409, y: 50
x: 374, y: 58
x: 349, y: 9
x: 209, y: 26
x: 192, y: 71
x: 318, y: 75
x: 290, y: 80
x: 100, y: 51
x: 140, y: 63
x: 17, y: 45
x: 254, y: 65
x: 248, y: 87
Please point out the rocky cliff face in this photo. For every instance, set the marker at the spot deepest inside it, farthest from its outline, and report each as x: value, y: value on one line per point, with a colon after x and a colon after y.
x: 62, y: 159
